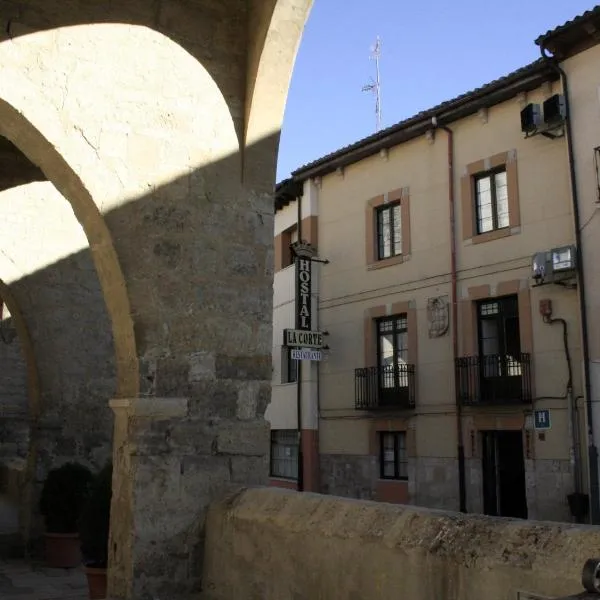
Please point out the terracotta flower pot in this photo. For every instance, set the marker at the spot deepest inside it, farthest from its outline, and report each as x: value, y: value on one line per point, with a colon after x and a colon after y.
x: 62, y: 550
x: 96, y: 583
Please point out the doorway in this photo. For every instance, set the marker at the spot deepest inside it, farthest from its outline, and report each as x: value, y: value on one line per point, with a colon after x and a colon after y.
x: 504, y: 492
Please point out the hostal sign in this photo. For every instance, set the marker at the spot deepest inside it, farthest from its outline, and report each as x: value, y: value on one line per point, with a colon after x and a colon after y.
x: 303, y: 288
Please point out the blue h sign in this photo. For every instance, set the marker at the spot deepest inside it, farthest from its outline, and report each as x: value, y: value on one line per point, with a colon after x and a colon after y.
x: 542, y: 419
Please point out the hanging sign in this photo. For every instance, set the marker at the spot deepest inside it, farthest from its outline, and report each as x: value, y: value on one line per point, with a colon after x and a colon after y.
x: 303, y: 293
x: 298, y: 338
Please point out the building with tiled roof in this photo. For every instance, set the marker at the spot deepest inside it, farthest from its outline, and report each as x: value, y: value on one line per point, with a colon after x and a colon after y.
x: 453, y: 283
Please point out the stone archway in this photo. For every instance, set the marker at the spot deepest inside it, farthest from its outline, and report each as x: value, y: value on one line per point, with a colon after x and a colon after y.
x: 158, y: 129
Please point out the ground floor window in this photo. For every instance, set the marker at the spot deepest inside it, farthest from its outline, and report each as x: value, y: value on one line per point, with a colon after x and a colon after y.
x: 393, y: 460
x: 284, y: 453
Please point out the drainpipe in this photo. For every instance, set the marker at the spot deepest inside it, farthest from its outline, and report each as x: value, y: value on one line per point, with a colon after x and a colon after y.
x: 592, y: 450
x: 574, y: 451
x: 462, y: 486
x: 299, y: 373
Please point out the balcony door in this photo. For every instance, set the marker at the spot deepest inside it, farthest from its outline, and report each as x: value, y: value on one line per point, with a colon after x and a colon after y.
x: 500, y: 348
x: 392, y: 357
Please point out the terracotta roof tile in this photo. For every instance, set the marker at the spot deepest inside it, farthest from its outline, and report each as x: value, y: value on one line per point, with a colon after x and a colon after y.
x: 573, y: 22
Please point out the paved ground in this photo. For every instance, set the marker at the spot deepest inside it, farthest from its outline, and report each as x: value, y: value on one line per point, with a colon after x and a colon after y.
x: 23, y: 581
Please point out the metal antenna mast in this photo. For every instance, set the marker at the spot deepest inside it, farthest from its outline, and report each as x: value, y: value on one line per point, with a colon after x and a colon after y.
x: 375, y: 85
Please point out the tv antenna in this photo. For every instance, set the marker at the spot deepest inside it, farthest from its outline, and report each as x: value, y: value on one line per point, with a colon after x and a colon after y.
x: 375, y: 85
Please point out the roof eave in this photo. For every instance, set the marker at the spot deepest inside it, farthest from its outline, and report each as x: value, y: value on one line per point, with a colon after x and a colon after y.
x: 571, y: 39
x: 419, y: 125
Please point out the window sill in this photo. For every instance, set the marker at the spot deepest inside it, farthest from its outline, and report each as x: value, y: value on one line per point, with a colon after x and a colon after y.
x: 393, y: 480
x: 387, y: 262
x: 490, y: 236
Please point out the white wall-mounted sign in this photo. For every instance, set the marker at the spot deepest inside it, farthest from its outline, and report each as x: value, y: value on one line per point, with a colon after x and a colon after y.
x: 306, y: 354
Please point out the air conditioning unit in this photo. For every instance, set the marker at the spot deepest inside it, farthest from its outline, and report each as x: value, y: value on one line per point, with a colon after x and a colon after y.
x: 558, y: 265
x: 555, y: 110
x: 531, y: 118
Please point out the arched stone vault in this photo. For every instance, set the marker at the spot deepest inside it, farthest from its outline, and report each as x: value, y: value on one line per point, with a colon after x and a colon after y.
x: 21, y: 132
x: 159, y: 121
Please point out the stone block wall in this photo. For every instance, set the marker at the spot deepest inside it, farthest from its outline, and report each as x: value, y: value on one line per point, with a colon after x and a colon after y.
x: 14, y: 402
x: 281, y: 544
x: 432, y: 482
x: 348, y: 475
x: 54, y: 282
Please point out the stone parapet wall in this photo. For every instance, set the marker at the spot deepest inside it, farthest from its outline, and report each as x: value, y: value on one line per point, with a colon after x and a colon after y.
x: 279, y: 544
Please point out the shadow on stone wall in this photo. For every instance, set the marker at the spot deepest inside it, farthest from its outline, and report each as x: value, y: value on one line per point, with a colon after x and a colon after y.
x: 197, y: 257
x: 65, y: 313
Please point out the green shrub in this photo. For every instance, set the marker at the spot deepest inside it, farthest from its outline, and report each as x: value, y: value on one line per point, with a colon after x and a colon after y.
x: 63, y: 496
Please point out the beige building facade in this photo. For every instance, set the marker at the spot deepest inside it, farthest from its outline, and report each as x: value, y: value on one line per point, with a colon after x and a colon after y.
x: 452, y: 373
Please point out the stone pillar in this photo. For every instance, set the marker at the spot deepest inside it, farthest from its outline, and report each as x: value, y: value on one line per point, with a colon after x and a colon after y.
x: 170, y: 462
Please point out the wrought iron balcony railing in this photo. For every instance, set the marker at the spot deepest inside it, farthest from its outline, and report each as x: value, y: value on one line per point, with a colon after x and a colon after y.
x: 385, y: 387
x: 494, y: 379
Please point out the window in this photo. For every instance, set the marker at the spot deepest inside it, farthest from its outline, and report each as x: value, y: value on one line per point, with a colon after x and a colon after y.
x: 499, y: 336
x: 284, y: 453
x: 491, y: 197
x: 393, y: 461
x: 290, y: 370
x: 392, y: 351
x: 389, y: 231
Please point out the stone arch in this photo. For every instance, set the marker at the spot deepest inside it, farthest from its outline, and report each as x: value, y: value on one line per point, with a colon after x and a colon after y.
x: 38, y: 149
x: 276, y: 27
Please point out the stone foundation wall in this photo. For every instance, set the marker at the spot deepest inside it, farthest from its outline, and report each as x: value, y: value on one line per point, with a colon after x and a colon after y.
x: 436, y: 483
x: 281, y: 544
x: 432, y: 482
x: 348, y: 475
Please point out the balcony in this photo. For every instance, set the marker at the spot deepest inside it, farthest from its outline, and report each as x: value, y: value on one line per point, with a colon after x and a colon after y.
x: 494, y: 379
x: 385, y: 387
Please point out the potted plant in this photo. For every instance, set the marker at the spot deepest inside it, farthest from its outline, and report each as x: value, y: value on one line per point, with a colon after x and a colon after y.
x: 61, y: 501
x: 94, y: 527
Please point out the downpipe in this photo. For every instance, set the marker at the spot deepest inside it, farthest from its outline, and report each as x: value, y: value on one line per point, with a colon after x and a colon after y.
x: 462, y: 483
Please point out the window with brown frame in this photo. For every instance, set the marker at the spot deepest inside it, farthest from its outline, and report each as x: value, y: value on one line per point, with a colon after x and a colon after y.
x: 389, y: 230
x: 491, y: 200
x: 393, y: 458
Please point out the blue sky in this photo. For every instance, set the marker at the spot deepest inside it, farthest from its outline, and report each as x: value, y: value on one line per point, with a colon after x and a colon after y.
x: 432, y: 50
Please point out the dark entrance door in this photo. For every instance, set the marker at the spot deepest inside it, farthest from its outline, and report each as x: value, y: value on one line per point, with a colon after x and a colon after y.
x: 504, y: 493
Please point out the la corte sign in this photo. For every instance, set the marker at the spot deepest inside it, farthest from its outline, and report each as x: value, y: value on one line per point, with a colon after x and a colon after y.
x: 297, y: 338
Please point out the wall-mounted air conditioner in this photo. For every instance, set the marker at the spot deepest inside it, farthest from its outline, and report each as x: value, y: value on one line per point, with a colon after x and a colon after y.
x: 555, y: 110
x: 531, y: 118
x: 558, y: 266
x: 547, y: 120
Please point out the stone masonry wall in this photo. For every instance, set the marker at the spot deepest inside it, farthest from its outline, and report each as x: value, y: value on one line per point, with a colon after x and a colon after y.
x: 348, y: 475
x: 282, y: 544
x: 14, y: 402
x: 53, y: 279
x: 432, y: 482
x: 436, y: 483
